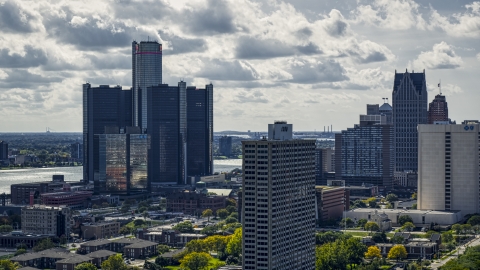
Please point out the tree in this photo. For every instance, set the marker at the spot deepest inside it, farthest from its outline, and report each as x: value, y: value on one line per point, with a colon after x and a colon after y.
x: 234, y: 246
x: 466, y: 228
x: 231, y: 202
x: 391, y: 198
x: 348, y: 222
x: 403, y: 219
x: 330, y: 236
x: 379, y: 237
x: 373, y: 252
x: 372, y: 202
x: 447, y: 237
x: 195, y: 261
x: 355, y: 250
x: 474, y: 220
x: 209, y: 230
x: 163, y: 249
x: 138, y: 222
x: 8, y: 265
x: 414, y: 196
x: 145, y: 214
x: 86, y: 266
x: 125, y: 208
x: 372, y: 226
x: 105, y: 205
x: 397, y: 252
x: 408, y: 226
x: 207, y: 213
x: 231, y: 209
x: 230, y: 220
x: 125, y: 230
x: 414, y: 206
x: 184, y: 227
x: 43, y: 245
x: 114, y: 262
x: 20, y: 251
x: 162, y: 261
x: 457, y: 228
x: 359, y: 204
x: 222, y: 213
x: 361, y: 222
x: 197, y: 245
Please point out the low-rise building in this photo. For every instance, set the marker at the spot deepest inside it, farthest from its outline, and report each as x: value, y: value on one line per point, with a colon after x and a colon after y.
x: 55, y: 258
x: 100, y: 256
x: 421, y: 218
x: 13, y: 239
x: 417, y: 248
x: 46, y: 220
x: 70, y: 262
x: 194, y: 203
x: 168, y: 237
x: 72, y: 199
x: 100, y: 230
x: 131, y: 247
x: 140, y: 250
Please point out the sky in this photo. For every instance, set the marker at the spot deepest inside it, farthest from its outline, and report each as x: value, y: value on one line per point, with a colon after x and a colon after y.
x: 312, y: 63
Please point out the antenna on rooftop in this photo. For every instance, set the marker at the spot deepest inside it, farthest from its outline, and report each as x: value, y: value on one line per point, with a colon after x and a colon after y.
x: 383, y: 100
x: 440, y: 86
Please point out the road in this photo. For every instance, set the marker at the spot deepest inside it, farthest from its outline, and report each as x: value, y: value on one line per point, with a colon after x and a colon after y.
x: 460, y: 250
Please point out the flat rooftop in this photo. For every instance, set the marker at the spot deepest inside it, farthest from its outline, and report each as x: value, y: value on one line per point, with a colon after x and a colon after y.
x: 402, y: 211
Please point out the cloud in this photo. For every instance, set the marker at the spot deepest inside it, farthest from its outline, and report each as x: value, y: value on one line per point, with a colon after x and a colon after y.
x: 228, y: 70
x: 390, y: 14
x: 20, y: 78
x: 335, y: 24
x: 309, y: 49
x: 143, y: 11
x: 32, y: 58
x: 213, y: 18
x: 15, y: 19
x: 441, y: 57
x: 466, y: 24
x: 254, y: 96
x: 179, y: 45
x: 478, y: 57
x: 253, y: 48
x: 306, y: 72
x: 367, y: 52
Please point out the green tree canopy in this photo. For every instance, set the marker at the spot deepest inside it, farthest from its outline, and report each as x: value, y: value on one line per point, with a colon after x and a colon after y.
x: 391, y: 198
x: 43, y: 245
x: 222, y: 213
x: 372, y: 226
x: 403, y: 219
x: 114, y: 262
x: 195, y: 261
x: 234, y: 246
x: 207, y: 213
x: 397, y: 252
x: 474, y: 220
x: 162, y: 249
x: 8, y: 265
x: 86, y: 266
x: 184, y: 227
x: 373, y: 252
x: 330, y: 236
x: 361, y: 222
x: 408, y: 226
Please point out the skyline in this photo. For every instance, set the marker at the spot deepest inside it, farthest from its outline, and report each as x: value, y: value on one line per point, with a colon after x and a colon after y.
x: 256, y: 53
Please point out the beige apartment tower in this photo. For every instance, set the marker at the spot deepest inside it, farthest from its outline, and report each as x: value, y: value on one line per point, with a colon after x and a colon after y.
x: 279, y: 201
x: 448, y: 167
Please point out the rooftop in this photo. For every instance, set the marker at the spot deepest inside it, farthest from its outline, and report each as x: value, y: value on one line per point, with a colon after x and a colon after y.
x: 75, y: 258
x: 142, y: 244
x: 404, y: 211
x: 101, y: 253
x: 220, y: 191
x: 94, y: 243
x: 58, y: 253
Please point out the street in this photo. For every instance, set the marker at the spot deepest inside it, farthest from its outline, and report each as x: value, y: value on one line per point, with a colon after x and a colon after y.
x: 459, y: 251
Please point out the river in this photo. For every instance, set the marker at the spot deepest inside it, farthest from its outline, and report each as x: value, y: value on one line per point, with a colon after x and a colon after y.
x: 9, y: 177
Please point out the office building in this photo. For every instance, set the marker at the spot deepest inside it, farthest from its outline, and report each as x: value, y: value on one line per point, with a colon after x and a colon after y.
x: 410, y: 100
x: 199, y: 131
x: 365, y: 154
x: 386, y: 110
x: 3, y: 150
x: 72, y: 199
x: 46, y: 220
x: 21, y: 193
x: 76, y: 151
x: 373, y: 109
x: 167, y: 119
x: 123, y: 161
x: 146, y: 72
x: 448, y: 173
x: 438, y: 110
x: 193, y: 203
x: 100, y: 230
x: 225, y: 146
x: 279, y: 201
x: 103, y: 106
x: 331, y: 202
x: 324, y: 164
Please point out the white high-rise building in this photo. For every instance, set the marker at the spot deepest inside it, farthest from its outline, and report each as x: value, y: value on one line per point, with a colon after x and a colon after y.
x: 448, y: 167
x: 279, y: 201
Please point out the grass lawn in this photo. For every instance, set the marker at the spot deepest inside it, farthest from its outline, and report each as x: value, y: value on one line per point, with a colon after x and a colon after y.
x: 211, y: 262
x: 362, y: 234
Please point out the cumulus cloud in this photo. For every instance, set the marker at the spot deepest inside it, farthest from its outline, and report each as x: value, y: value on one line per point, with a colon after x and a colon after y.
x: 15, y: 19
x: 20, y: 78
x: 254, y: 96
x: 312, y: 71
x: 466, y: 24
x: 179, y: 45
x: 228, y: 70
x: 478, y: 57
x: 441, y: 57
x: 32, y: 57
x: 335, y: 24
x: 253, y: 48
x: 215, y: 17
x: 367, y: 51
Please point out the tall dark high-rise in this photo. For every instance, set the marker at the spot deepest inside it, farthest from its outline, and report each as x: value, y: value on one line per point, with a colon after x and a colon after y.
x: 167, y: 123
x: 410, y: 100
x: 3, y: 150
x: 146, y: 71
x: 103, y: 106
x: 199, y: 131
x: 438, y: 109
x: 225, y: 146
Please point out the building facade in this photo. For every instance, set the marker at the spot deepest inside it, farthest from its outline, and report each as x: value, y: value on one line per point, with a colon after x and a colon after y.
x: 3, y: 150
x: 199, y: 131
x: 193, y: 203
x: 438, y: 110
x: 449, y: 175
x: 146, y: 72
x: 76, y: 151
x: 103, y: 106
x: 46, y: 220
x: 278, y: 212
x: 410, y: 100
x: 225, y: 146
x: 324, y: 163
x: 100, y: 230
x: 331, y: 202
x: 123, y: 161
x: 167, y: 120
x: 365, y: 154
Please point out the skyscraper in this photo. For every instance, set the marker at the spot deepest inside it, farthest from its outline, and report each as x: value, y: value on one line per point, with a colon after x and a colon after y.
x: 199, y: 131
x: 365, y: 154
x: 103, y: 106
x: 146, y: 71
x: 448, y: 172
x: 410, y: 100
x: 279, y: 201
x: 438, y: 109
x: 386, y: 110
x: 3, y: 150
x: 225, y: 146
x: 167, y: 123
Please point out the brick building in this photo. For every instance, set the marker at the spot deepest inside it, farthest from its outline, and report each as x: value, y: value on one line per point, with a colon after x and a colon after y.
x: 169, y: 237
x: 72, y: 199
x: 331, y: 201
x: 192, y: 203
x: 100, y: 230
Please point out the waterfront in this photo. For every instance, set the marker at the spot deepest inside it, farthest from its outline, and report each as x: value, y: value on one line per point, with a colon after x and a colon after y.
x: 9, y: 177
